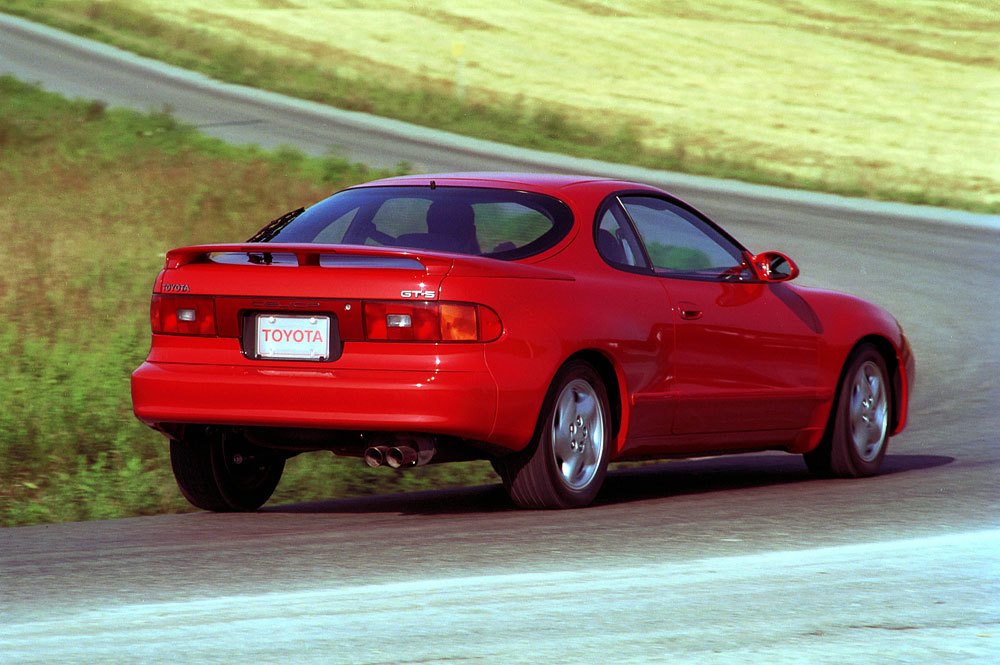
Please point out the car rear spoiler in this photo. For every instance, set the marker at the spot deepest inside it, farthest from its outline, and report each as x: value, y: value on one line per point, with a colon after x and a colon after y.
x: 305, y: 254
x: 358, y: 256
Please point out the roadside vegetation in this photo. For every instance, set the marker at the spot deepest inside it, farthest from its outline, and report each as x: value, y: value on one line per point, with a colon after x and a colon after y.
x: 92, y: 198
x: 874, y: 98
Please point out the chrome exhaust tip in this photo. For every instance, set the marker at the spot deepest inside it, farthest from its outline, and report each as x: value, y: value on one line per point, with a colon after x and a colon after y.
x: 399, y: 457
x: 375, y: 456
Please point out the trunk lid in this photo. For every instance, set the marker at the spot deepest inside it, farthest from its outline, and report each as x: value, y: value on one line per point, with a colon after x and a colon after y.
x: 238, y: 284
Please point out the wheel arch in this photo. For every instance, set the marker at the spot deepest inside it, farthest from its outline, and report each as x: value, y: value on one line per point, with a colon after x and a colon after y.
x: 890, y: 354
x: 614, y: 386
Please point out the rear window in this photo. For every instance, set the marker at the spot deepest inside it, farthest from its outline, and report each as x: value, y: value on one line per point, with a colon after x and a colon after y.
x: 499, y: 223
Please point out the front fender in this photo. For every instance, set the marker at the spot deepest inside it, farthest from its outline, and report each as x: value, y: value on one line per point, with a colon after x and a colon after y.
x: 848, y: 322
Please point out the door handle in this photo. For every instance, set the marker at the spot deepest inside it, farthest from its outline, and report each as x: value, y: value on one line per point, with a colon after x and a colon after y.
x: 689, y: 311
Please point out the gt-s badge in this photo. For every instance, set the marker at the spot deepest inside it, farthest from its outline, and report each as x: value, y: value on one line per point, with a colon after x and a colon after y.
x: 426, y: 295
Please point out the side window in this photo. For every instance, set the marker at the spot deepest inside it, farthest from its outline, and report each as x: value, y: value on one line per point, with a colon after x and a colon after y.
x: 679, y: 242
x: 616, y: 242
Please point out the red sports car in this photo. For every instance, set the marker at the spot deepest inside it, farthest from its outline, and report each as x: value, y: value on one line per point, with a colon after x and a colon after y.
x: 550, y: 324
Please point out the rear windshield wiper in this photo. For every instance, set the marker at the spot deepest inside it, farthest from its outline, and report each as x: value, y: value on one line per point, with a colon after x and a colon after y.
x: 275, y: 226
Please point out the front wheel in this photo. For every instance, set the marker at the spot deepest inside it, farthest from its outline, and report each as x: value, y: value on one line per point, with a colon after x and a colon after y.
x: 224, y: 472
x: 565, y: 465
x: 858, y: 436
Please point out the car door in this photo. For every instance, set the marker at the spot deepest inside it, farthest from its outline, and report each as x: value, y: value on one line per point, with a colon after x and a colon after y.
x: 745, y: 354
x: 645, y: 351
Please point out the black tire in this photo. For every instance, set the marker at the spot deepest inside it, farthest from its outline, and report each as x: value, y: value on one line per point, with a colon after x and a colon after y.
x: 500, y: 467
x: 223, y: 472
x: 857, y: 436
x: 567, y: 460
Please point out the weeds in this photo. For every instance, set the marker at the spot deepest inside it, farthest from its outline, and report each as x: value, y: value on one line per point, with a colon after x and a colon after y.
x: 92, y: 199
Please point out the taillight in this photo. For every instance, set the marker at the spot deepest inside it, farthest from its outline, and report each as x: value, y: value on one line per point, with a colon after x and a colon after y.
x: 182, y: 315
x: 490, y: 327
x: 430, y: 322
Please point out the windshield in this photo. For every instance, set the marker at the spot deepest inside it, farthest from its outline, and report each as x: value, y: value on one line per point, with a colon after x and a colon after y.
x: 499, y: 223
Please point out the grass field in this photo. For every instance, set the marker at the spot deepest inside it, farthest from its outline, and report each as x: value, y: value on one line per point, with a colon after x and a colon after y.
x: 878, y: 98
x: 91, y: 200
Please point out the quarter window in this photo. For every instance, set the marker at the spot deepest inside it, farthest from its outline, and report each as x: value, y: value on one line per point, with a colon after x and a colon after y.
x: 617, y: 243
x: 680, y: 243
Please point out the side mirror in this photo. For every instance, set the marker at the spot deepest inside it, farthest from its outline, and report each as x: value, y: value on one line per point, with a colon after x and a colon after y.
x: 774, y: 267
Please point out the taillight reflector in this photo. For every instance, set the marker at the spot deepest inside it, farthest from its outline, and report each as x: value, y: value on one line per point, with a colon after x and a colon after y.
x: 182, y: 315
x: 430, y: 322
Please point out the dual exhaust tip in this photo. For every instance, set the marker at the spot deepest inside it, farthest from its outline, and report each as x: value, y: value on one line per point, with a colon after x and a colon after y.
x: 399, y: 457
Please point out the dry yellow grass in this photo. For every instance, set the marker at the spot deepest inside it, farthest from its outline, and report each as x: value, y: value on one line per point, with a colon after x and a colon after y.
x: 847, y: 91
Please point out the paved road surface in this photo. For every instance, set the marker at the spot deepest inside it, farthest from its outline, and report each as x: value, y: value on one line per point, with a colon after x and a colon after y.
x: 844, y: 604
x: 729, y: 560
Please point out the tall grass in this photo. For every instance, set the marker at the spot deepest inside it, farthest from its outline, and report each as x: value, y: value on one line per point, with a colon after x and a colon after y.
x: 878, y: 99
x: 91, y: 198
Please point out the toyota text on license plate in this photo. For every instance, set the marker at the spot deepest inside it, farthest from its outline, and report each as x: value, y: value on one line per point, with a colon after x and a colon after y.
x: 293, y: 337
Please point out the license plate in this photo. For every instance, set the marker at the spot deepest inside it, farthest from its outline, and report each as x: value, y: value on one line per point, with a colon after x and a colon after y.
x: 293, y: 337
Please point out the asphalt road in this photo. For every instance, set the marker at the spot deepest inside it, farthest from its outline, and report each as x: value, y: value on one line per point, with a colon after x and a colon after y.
x: 739, y: 559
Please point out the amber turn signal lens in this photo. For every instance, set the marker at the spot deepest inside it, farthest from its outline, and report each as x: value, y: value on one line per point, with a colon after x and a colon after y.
x: 458, y: 323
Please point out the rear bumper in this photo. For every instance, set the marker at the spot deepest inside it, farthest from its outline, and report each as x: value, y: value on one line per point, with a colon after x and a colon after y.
x: 457, y: 403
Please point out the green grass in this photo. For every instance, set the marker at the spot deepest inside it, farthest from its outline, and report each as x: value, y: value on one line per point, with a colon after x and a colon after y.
x: 91, y: 200
x: 874, y: 98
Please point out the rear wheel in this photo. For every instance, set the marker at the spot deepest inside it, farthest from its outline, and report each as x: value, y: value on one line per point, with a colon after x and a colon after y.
x: 223, y: 472
x: 858, y: 436
x: 567, y: 460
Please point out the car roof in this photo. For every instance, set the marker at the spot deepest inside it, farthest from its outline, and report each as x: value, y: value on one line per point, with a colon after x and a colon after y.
x: 551, y: 183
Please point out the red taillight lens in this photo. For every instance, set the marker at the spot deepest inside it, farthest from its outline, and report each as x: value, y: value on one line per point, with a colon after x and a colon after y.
x: 182, y: 315
x: 401, y: 321
x: 430, y: 322
x: 490, y: 327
